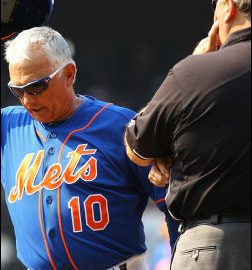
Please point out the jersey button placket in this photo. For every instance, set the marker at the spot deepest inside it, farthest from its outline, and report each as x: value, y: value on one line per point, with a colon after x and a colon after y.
x: 66, y: 267
x: 52, y: 233
x: 53, y: 135
x: 49, y: 200
x: 51, y: 151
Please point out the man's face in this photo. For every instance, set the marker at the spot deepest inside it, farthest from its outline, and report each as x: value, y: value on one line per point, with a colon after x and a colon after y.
x: 53, y: 104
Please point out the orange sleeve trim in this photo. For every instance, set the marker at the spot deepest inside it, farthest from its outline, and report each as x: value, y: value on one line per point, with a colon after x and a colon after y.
x: 58, y: 191
x: 43, y: 231
x: 159, y: 201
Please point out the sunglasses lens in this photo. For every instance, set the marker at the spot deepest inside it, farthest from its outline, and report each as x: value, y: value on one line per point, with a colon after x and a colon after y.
x: 17, y: 92
x: 32, y: 89
x: 36, y: 88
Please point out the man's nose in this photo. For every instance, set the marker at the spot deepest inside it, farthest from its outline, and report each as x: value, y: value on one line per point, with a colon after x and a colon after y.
x: 29, y: 99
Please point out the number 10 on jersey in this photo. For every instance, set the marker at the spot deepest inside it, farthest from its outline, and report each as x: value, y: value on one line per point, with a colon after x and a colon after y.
x: 93, y: 203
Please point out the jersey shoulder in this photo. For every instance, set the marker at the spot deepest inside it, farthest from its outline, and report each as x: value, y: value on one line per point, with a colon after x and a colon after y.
x: 13, y: 110
x: 113, y: 110
x: 14, y: 115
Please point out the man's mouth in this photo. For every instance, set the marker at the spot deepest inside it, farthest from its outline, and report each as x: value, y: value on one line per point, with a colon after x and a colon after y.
x: 36, y: 110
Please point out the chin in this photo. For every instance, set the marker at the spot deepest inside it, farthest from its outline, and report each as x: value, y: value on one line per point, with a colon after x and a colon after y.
x: 41, y: 119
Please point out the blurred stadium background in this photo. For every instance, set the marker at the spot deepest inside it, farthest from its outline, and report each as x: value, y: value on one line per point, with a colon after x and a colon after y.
x: 123, y: 50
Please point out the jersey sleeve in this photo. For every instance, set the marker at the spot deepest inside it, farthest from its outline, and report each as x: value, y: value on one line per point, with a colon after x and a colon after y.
x: 150, y: 133
x: 4, y: 130
x: 8, y: 121
x: 158, y: 194
x: 4, y: 127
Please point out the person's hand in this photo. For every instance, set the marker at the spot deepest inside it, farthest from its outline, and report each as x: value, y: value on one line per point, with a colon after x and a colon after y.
x: 211, y: 43
x: 159, y: 173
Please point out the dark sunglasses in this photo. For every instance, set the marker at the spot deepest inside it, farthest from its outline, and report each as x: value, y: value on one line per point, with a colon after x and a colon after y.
x: 35, y: 87
x: 214, y: 4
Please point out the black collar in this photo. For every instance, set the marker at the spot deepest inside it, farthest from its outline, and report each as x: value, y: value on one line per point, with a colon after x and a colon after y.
x: 236, y: 37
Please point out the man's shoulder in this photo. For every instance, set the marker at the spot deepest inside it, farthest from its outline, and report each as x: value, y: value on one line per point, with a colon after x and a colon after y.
x: 212, y: 69
x: 234, y: 58
x: 111, y: 110
x: 13, y: 114
x: 195, y: 63
x: 122, y: 112
x: 13, y: 111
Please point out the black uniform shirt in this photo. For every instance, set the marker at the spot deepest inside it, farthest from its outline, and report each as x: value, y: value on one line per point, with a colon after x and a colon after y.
x: 200, y: 116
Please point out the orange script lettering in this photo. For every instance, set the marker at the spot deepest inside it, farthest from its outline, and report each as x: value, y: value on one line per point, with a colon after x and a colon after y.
x: 54, y: 177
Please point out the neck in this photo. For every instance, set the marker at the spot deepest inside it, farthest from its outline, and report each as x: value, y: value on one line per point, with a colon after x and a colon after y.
x: 237, y: 28
x: 240, y: 24
x: 76, y: 101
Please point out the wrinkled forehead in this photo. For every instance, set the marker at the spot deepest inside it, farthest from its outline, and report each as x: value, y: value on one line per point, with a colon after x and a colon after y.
x: 28, y: 70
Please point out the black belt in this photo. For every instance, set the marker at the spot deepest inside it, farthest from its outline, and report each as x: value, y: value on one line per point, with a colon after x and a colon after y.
x: 213, y: 220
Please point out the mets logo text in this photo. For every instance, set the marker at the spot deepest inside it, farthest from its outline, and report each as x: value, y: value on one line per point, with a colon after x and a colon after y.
x: 54, y: 176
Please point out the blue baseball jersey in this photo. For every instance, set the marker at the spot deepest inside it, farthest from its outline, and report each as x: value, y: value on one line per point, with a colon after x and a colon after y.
x: 75, y: 199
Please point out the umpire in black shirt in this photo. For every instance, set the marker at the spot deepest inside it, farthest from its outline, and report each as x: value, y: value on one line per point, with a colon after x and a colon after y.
x: 200, y: 118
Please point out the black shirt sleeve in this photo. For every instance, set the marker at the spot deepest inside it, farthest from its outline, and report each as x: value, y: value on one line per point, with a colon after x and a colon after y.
x: 151, y: 132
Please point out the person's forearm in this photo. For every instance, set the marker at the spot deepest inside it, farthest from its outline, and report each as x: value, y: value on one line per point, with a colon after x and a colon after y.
x: 135, y: 158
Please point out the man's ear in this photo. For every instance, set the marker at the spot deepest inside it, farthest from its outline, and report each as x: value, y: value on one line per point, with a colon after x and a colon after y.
x: 70, y: 71
x: 230, y: 10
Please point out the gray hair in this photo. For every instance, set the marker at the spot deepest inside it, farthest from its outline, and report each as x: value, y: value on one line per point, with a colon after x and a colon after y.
x: 48, y: 40
x: 244, y: 6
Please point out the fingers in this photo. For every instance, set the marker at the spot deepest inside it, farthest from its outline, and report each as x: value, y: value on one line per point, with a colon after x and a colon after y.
x: 213, y: 36
x: 159, y: 173
x: 158, y: 181
x: 162, y: 166
x: 211, y: 42
x: 214, y: 30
